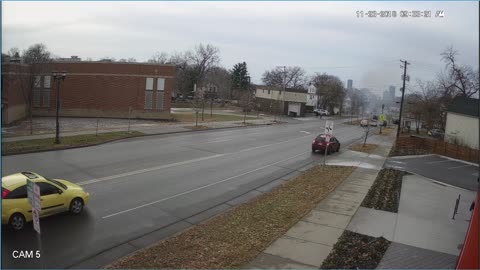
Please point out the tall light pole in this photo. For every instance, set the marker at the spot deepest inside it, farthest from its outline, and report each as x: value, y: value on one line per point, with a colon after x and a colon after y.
x: 58, y: 77
x: 247, y: 105
x: 405, y: 63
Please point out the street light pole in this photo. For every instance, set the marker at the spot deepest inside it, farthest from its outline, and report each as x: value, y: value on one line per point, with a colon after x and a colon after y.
x: 405, y: 63
x: 58, y: 76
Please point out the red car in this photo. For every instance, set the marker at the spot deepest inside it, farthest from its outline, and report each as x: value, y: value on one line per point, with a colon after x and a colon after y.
x: 320, y: 144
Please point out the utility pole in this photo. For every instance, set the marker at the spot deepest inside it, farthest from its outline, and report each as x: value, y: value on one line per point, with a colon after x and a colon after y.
x: 405, y: 63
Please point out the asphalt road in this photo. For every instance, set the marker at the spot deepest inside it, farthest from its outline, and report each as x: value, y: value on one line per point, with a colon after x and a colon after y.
x: 159, y: 184
x: 449, y: 171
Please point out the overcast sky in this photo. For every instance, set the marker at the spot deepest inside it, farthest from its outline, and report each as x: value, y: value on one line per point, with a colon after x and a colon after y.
x: 318, y: 36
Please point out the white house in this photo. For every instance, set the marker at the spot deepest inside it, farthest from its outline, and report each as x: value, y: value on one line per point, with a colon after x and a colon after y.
x: 289, y: 102
x: 312, y: 97
x: 462, y: 122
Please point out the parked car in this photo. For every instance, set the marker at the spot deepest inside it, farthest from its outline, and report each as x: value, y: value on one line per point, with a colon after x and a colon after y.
x: 364, y: 123
x: 436, y: 133
x: 56, y: 196
x: 321, y: 112
x: 396, y: 121
x: 320, y: 144
x: 373, y: 123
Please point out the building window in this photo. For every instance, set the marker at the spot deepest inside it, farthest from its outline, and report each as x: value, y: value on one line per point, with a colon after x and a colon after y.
x: 37, y: 96
x: 160, y: 95
x: 46, y: 81
x: 269, y: 92
x: 149, y: 84
x: 149, y: 94
x: 37, y: 83
x: 160, y: 84
x: 46, y: 98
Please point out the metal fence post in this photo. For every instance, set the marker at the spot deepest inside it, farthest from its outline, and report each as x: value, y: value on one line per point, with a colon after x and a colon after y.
x: 456, y: 206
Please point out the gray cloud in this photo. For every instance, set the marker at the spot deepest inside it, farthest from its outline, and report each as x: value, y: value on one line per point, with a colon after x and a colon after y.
x: 319, y: 36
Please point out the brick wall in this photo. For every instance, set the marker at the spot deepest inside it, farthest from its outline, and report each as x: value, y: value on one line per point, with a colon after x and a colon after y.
x: 97, y: 89
x: 438, y: 147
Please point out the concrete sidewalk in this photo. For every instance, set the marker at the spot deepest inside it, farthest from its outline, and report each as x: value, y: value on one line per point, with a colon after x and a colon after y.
x: 308, y: 243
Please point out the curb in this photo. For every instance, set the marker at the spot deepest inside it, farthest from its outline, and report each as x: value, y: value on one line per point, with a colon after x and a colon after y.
x: 135, y: 136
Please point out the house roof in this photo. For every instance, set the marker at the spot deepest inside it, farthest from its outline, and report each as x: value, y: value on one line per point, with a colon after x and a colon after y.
x: 464, y: 105
x: 292, y: 90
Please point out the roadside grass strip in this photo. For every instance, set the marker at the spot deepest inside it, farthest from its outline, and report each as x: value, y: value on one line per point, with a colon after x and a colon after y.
x: 353, y: 122
x: 367, y: 148
x: 398, y: 151
x: 385, y: 191
x: 191, y: 117
x: 67, y: 141
x: 356, y: 251
x: 237, y: 236
x: 385, y: 131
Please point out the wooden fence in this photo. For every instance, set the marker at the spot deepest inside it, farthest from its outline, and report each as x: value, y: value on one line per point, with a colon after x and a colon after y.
x: 438, y: 147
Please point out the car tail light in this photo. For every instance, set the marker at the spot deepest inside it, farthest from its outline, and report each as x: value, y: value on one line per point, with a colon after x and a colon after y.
x: 314, y: 141
x: 5, y: 192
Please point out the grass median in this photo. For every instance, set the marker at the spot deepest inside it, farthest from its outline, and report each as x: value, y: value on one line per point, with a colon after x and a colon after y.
x: 234, y: 238
x: 190, y: 117
x: 67, y: 141
x: 385, y: 191
x: 367, y: 148
x: 356, y: 251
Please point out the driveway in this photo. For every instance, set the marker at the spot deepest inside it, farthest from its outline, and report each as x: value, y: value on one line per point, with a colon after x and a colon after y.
x: 446, y: 170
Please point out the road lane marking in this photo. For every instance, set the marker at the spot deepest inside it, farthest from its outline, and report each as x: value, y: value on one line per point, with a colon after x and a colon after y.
x: 435, y: 162
x: 202, y: 187
x: 306, y: 132
x: 175, y: 164
x: 457, y: 167
x: 261, y: 146
x: 225, y: 140
x: 146, y: 170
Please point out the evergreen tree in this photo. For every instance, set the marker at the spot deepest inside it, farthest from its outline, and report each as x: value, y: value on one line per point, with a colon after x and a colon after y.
x: 240, y: 76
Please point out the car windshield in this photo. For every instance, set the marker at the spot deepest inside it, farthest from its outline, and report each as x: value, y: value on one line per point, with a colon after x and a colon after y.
x: 57, y: 183
x: 320, y: 139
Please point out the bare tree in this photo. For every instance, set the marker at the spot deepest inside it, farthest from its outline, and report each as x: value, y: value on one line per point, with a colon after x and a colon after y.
x: 461, y: 79
x: 295, y: 77
x: 159, y: 58
x: 222, y: 79
x: 202, y: 59
x: 330, y: 89
x: 37, y: 57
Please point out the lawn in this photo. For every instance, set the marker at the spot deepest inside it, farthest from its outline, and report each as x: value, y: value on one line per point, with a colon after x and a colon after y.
x: 367, y: 148
x: 385, y: 191
x: 354, y: 122
x: 190, y: 117
x: 236, y: 237
x: 68, y: 141
x: 386, y: 131
x: 356, y: 251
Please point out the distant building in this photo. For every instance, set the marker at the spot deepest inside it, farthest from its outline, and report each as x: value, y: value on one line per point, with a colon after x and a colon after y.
x: 462, y: 122
x: 349, y: 84
x: 274, y: 100
x: 73, y: 58
x: 312, y: 98
x: 90, y: 89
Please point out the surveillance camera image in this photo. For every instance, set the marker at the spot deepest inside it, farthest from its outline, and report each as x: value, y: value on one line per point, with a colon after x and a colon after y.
x: 240, y: 134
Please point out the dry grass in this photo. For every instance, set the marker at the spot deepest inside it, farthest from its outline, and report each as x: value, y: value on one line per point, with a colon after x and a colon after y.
x: 236, y: 237
x: 353, y: 122
x: 199, y: 127
x: 385, y: 191
x: 190, y: 117
x: 386, y: 131
x: 367, y: 148
x: 356, y: 251
x: 67, y: 141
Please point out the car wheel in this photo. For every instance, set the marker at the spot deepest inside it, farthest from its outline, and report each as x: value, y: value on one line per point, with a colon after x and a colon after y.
x: 338, y: 148
x: 313, y: 150
x: 76, y: 206
x: 17, y: 221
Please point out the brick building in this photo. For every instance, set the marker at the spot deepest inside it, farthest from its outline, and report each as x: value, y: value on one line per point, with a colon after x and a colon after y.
x: 90, y: 89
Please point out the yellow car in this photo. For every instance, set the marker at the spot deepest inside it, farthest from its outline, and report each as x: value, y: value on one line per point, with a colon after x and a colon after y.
x: 56, y: 196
